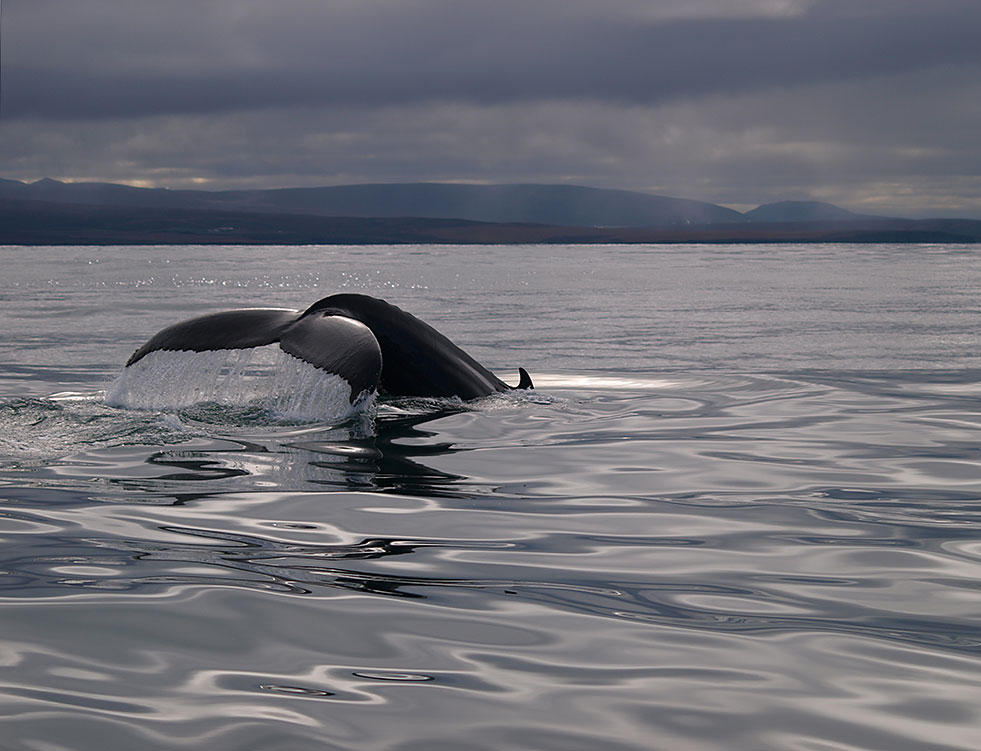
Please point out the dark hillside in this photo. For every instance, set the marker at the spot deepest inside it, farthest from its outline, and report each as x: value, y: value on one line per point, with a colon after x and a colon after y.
x: 45, y: 223
x: 564, y: 205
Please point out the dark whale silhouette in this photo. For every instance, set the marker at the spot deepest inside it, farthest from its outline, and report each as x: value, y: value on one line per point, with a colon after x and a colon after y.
x: 370, y: 343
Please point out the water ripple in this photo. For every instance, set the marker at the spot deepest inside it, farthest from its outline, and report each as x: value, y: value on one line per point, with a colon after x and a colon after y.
x: 781, y: 561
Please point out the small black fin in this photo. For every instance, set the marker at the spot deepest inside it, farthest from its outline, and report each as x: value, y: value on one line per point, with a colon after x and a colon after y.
x: 525, y: 382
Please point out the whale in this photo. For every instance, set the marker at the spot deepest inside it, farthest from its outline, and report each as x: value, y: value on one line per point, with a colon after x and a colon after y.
x: 373, y: 345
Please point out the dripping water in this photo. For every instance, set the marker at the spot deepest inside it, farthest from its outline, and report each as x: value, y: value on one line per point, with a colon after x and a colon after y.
x: 260, y: 377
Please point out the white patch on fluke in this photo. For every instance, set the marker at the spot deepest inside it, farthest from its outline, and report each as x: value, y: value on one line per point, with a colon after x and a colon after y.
x: 265, y: 377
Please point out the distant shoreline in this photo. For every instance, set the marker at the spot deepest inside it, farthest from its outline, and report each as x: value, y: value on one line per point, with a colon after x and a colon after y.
x: 39, y: 223
x: 49, y: 212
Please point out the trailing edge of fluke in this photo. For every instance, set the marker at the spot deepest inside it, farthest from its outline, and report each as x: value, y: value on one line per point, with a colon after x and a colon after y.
x: 371, y: 344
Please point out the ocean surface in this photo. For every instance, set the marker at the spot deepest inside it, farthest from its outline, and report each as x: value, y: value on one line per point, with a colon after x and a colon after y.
x: 741, y: 510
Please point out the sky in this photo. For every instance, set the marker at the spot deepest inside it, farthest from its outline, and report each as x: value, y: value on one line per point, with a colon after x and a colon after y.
x: 874, y: 105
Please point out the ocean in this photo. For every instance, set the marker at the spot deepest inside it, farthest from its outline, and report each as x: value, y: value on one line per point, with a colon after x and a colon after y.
x: 740, y: 510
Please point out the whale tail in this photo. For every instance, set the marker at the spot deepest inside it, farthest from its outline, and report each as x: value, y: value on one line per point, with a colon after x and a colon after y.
x: 371, y: 344
x: 417, y: 360
x: 335, y: 344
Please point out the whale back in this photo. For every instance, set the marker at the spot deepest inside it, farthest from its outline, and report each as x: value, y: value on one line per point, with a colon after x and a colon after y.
x: 417, y: 360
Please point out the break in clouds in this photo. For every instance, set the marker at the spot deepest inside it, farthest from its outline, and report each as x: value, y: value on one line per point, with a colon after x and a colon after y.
x: 870, y: 104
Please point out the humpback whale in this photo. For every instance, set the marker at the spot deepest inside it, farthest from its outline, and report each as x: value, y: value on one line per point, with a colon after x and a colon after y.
x: 370, y: 343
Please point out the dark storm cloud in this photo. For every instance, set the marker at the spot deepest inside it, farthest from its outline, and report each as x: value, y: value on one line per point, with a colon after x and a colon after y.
x: 137, y: 59
x: 875, y: 104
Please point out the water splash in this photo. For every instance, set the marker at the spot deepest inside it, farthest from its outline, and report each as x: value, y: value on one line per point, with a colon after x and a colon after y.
x: 264, y: 378
x: 44, y: 430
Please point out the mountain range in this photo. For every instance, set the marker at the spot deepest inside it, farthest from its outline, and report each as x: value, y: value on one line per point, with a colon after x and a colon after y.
x: 51, y: 212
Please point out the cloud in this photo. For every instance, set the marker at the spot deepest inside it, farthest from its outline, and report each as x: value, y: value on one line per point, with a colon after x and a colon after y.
x: 724, y: 100
x: 212, y: 56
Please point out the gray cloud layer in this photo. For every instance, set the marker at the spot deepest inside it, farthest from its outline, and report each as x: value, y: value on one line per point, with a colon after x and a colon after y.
x: 871, y: 103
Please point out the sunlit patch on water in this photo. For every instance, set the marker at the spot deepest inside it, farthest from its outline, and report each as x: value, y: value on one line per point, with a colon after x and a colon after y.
x: 605, y: 382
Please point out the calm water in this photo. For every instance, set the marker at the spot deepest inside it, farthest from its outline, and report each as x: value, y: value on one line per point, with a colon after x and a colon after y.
x: 741, y: 510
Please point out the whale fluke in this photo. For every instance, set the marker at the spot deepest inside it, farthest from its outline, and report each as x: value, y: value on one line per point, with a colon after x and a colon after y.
x: 338, y: 345
x: 232, y: 329
x: 370, y: 343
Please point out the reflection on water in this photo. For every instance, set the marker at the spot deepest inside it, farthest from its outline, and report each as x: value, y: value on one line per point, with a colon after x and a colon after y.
x: 741, y: 511
x: 748, y: 560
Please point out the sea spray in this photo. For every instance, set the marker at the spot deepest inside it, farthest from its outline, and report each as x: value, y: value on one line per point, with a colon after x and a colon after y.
x: 262, y: 377
x: 39, y: 431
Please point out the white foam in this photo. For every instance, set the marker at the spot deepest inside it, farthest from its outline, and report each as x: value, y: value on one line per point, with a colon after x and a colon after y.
x: 264, y: 377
